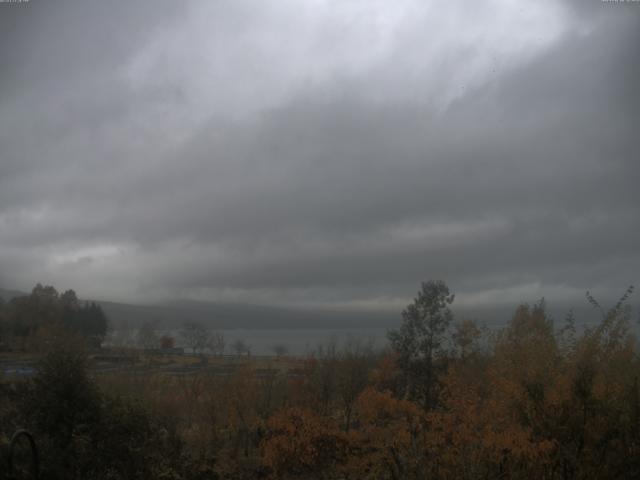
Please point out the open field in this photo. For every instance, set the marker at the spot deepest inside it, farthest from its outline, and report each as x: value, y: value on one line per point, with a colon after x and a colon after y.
x: 21, y: 365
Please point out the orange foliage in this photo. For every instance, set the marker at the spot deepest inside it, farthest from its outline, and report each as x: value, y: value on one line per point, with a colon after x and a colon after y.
x: 387, y: 375
x: 390, y: 440
x: 301, y: 444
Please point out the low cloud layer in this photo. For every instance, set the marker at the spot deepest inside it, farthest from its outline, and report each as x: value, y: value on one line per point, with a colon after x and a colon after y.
x: 325, y: 153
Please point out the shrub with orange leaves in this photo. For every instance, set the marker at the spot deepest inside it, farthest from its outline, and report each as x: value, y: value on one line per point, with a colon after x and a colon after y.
x: 387, y: 375
x: 301, y: 444
x: 389, y: 441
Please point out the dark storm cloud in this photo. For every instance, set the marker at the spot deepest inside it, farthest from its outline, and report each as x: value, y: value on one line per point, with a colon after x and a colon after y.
x: 180, y: 158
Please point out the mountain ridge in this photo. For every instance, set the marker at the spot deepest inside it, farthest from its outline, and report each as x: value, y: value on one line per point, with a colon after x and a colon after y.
x: 236, y: 315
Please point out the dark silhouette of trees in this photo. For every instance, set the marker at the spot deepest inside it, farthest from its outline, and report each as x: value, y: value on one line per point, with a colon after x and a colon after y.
x: 63, y: 397
x: 84, y: 433
x: 88, y: 320
x: 46, y: 308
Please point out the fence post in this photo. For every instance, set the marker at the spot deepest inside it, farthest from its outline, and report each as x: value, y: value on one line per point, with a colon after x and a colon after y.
x: 34, y: 452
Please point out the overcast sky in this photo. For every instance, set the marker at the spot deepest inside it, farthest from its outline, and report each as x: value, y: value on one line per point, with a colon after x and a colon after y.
x: 320, y: 152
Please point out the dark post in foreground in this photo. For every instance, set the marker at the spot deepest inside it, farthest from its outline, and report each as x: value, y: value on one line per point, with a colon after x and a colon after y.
x: 34, y: 452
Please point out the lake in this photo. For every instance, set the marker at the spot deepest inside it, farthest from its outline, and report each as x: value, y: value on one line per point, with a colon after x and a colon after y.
x: 296, y: 341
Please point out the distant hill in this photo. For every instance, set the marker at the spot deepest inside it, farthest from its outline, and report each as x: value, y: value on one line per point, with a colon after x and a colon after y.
x: 222, y: 315
x: 226, y: 315
x: 7, y: 295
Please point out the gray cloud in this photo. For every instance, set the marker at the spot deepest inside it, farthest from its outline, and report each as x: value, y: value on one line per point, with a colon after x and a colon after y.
x: 335, y: 154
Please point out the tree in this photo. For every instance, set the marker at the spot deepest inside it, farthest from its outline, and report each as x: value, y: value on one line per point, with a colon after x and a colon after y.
x: 280, y: 349
x: 419, y: 340
x: 195, y: 336
x: 63, y: 394
x: 93, y: 323
x: 147, y: 337
x: 465, y: 338
x: 46, y: 310
x: 29, y: 312
x: 353, y: 372
x: 88, y: 320
x: 84, y: 433
x: 240, y: 347
x: 216, y: 343
x: 69, y: 299
x: 391, y: 443
x: 242, y: 407
x: 321, y: 377
x: 192, y: 389
x: 301, y: 444
x: 62, y: 405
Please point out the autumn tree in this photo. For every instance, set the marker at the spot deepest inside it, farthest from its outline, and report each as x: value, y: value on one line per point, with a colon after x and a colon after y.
x: 300, y: 444
x: 242, y: 406
x: 352, y: 374
x: 390, y: 442
x: 597, y: 408
x: 526, y: 352
x: 321, y: 376
x: 418, y: 342
x: 386, y: 375
x: 191, y: 387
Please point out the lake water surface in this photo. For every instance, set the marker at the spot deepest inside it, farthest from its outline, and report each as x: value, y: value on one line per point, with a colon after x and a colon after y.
x: 296, y: 341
